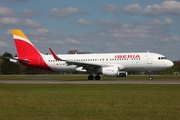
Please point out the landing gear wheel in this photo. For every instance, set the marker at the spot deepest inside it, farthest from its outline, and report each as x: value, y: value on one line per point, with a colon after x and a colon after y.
x: 150, y: 78
x: 90, y: 77
x: 97, y: 77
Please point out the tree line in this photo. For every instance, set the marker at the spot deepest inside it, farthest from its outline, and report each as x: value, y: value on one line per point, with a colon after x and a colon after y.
x: 7, y: 67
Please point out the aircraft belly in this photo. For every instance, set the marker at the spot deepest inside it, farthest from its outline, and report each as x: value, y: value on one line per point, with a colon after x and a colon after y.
x: 149, y: 68
x: 63, y: 68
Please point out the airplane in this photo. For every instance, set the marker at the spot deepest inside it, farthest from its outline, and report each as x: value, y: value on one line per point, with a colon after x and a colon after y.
x: 107, y: 64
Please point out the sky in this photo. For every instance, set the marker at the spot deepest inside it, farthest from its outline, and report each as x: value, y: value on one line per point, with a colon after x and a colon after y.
x: 95, y: 26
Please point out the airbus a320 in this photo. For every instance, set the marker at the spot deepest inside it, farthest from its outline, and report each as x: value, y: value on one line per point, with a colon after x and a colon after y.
x: 107, y: 64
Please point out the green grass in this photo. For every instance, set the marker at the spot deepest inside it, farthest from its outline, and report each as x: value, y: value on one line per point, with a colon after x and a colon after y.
x: 89, y: 102
x: 84, y: 77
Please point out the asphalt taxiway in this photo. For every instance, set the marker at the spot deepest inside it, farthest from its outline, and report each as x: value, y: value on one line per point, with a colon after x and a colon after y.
x: 90, y: 82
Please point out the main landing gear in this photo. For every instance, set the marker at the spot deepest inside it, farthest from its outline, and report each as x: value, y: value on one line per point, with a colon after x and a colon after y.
x: 91, y: 77
x: 150, y: 77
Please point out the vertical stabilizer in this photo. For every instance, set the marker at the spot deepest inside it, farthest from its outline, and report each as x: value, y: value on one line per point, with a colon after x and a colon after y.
x: 23, y: 46
x: 27, y: 53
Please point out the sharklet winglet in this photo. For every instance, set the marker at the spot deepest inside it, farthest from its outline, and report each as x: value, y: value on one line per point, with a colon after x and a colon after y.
x: 55, y: 56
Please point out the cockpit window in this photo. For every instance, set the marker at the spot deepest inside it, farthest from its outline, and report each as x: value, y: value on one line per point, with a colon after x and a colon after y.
x: 162, y: 58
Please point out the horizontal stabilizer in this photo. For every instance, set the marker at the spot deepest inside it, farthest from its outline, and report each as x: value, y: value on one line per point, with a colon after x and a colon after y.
x: 16, y: 60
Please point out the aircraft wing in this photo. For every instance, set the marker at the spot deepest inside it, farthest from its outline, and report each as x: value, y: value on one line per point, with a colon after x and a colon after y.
x: 84, y: 65
x: 72, y: 62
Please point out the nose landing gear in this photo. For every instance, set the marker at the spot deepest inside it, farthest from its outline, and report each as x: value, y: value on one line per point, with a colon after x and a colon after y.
x: 150, y: 77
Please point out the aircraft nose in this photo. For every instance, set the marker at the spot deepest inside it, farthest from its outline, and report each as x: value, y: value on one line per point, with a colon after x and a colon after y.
x: 170, y: 64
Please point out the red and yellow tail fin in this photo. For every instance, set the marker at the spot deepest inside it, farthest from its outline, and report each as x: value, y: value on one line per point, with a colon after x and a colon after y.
x: 23, y: 46
x: 27, y: 53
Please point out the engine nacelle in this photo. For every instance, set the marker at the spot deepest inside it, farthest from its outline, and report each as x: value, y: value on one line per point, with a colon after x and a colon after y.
x: 122, y: 73
x: 113, y: 71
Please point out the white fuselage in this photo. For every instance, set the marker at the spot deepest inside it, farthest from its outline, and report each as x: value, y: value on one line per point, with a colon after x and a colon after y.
x: 124, y: 61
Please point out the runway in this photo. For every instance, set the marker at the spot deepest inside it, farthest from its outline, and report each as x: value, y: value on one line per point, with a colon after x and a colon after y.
x: 89, y: 82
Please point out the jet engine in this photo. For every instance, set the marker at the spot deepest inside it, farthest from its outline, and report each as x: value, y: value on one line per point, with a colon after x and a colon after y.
x: 113, y: 71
